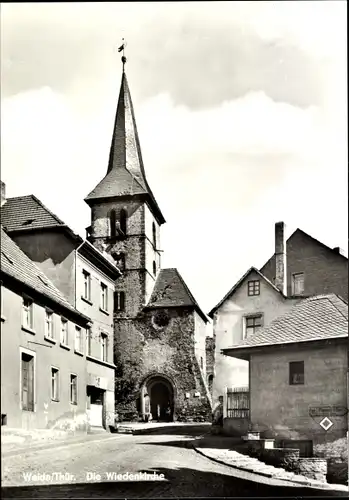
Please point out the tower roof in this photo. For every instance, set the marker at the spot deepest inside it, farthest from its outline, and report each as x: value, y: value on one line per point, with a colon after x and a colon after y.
x: 125, y: 175
x: 170, y: 290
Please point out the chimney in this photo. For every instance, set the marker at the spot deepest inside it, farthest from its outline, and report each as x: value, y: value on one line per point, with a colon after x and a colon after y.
x: 339, y: 250
x: 280, y: 258
x: 3, y: 193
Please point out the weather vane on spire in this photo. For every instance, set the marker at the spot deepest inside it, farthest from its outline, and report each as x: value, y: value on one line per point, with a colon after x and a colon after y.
x: 123, y: 58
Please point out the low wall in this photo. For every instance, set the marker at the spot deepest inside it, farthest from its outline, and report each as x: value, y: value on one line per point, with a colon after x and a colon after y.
x: 288, y: 459
x: 280, y: 457
x: 314, y: 468
x: 235, y: 427
x: 256, y: 446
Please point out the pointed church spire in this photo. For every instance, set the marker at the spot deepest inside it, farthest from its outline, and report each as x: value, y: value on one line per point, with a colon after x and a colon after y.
x: 125, y: 174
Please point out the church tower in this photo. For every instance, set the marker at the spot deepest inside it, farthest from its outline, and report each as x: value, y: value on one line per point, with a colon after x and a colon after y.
x: 159, y: 329
x: 126, y: 218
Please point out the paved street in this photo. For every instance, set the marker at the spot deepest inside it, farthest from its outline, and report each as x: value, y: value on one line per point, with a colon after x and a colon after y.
x: 186, y: 473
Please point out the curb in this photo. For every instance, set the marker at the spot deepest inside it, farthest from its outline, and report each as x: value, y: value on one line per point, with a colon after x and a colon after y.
x: 151, y: 430
x: 322, y: 486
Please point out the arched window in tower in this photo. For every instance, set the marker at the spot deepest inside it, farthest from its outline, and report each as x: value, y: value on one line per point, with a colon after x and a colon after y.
x: 210, y: 383
x: 154, y: 267
x: 154, y: 235
x: 123, y: 220
x: 112, y: 224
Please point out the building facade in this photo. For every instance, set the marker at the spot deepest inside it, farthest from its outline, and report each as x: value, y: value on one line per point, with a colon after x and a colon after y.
x: 159, y: 329
x: 43, y: 364
x: 298, y: 372
x: 86, y: 277
x: 301, y: 266
x: 312, y: 268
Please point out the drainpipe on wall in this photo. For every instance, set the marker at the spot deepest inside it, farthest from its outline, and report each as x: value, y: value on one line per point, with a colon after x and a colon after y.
x: 75, y: 266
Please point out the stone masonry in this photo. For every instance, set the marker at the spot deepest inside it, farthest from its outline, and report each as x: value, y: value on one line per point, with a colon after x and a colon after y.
x: 157, y: 347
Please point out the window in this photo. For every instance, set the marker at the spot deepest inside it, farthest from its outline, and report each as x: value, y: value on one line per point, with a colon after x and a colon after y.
x: 252, y: 324
x: 154, y: 235
x: 104, y: 347
x: 49, y: 324
x: 73, y: 389
x: 64, y: 331
x: 87, y: 285
x: 112, y: 224
x: 154, y: 267
x: 78, y: 339
x: 27, y: 381
x: 54, y: 384
x: 119, y: 301
x: 210, y: 383
x: 253, y: 287
x: 88, y: 341
x: 298, y: 284
x: 27, y: 320
x: 104, y: 297
x: 202, y: 363
x: 296, y: 369
x: 123, y: 220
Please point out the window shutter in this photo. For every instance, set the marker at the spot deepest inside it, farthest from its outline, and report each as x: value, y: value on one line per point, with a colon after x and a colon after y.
x: 25, y: 384
x: 31, y: 384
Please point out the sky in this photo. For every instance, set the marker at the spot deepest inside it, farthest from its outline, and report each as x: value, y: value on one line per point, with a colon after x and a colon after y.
x: 241, y: 109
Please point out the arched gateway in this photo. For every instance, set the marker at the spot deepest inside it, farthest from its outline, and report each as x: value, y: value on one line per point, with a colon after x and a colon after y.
x: 158, y: 397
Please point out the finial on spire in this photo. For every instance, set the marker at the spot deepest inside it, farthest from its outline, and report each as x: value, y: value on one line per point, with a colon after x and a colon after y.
x: 123, y: 58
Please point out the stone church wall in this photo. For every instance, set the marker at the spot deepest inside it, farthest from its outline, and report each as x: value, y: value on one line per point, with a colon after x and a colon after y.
x: 143, y: 349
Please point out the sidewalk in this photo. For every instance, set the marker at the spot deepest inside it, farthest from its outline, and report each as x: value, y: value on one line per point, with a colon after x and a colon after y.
x: 17, y: 441
x: 232, y: 452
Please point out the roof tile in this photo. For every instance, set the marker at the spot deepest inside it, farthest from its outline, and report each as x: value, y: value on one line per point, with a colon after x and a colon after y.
x: 170, y: 290
x: 15, y: 263
x: 315, y: 318
x: 27, y: 212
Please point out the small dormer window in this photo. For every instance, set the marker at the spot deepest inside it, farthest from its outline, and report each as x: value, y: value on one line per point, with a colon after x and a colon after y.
x: 253, y: 288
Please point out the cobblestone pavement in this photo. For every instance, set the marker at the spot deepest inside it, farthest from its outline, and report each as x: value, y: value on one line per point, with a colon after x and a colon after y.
x: 86, y: 464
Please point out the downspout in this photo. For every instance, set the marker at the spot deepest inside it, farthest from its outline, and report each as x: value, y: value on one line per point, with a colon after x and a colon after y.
x: 75, y: 271
x: 75, y: 302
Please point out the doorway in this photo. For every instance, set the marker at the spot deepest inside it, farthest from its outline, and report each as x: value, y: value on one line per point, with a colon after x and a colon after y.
x: 159, y: 399
x: 96, y: 399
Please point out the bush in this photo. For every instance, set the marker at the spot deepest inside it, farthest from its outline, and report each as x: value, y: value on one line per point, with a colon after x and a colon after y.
x: 336, y: 449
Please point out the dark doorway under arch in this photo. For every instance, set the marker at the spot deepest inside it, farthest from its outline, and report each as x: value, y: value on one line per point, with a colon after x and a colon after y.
x: 161, y: 399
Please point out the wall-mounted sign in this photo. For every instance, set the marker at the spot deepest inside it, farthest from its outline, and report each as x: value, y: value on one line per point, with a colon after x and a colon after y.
x: 327, y: 411
x: 96, y: 381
